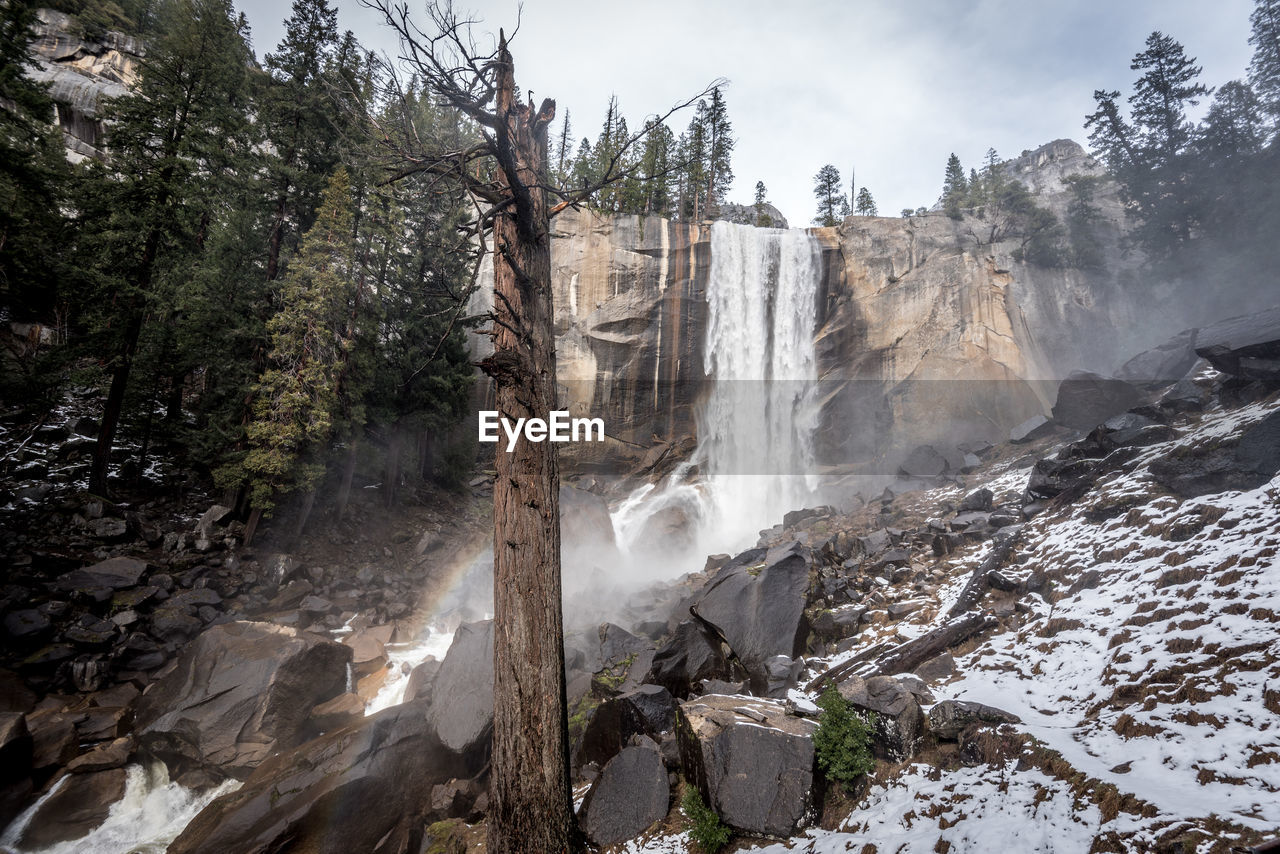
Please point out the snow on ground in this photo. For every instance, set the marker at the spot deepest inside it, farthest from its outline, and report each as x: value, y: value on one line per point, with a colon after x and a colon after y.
x: 1151, y: 663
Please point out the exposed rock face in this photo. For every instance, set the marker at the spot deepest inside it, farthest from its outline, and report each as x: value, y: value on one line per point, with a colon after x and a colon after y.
x: 630, y: 319
x: 82, y: 75
x: 753, y: 763
x: 363, y: 788
x: 924, y: 332
x: 239, y: 693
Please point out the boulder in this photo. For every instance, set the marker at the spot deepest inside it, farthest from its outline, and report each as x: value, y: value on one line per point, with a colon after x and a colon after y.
x: 1031, y: 429
x: 979, y: 499
x: 241, y: 692
x: 649, y: 710
x: 99, y: 580
x: 113, y: 754
x: 421, y: 679
x: 363, y: 788
x: 77, y: 806
x: 1204, y: 470
x: 1247, y: 346
x: 1086, y: 399
x: 689, y: 656
x: 923, y: 461
x: 751, y: 761
x: 630, y: 796
x: 342, y: 710
x: 950, y: 717
x: 15, y: 748
x: 757, y: 606
x: 463, y: 719
x: 1162, y: 365
x: 898, y: 723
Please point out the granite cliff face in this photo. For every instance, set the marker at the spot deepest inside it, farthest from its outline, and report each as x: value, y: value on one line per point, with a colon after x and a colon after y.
x: 923, y: 333
x: 82, y: 74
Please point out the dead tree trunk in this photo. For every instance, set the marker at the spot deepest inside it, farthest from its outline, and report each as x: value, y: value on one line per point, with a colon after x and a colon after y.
x: 530, y: 806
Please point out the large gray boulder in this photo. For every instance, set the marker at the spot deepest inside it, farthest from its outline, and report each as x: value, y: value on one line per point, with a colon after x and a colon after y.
x: 1087, y: 399
x: 898, y: 722
x: 77, y: 807
x: 951, y: 717
x: 1247, y: 346
x: 362, y: 788
x: 690, y: 655
x: 629, y: 797
x: 756, y: 603
x: 461, y: 711
x: 752, y: 762
x: 239, y: 693
x: 648, y: 710
x: 1162, y: 365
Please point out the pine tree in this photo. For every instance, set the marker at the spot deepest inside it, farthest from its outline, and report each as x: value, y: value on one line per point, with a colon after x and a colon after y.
x: 833, y: 206
x: 32, y: 179
x: 169, y: 141
x: 300, y: 122
x: 720, y: 144
x: 954, y: 187
x: 1233, y: 126
x: 866, y: 205
x: 297, y: 399
x: 563, y: 153
x: 763, y: 220
x: 1161, y: 97
x: 1264, y: 69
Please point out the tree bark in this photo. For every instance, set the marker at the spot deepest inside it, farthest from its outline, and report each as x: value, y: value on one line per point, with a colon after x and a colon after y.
x: 530, y: 797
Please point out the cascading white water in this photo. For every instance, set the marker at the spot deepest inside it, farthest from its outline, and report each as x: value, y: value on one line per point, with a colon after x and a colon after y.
x: 755, y: 429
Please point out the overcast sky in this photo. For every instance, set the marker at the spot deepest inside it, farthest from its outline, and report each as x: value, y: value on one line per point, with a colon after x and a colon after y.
x: 886, y: 87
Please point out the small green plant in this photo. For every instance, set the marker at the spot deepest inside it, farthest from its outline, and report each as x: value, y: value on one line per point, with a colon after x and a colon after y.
x: 708, y: 830
x: 843, y: 739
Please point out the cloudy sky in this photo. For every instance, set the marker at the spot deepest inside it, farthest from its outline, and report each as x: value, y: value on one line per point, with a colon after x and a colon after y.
x: 883, y: 87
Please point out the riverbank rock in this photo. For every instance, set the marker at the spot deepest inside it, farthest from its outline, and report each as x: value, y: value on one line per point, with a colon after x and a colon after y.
x: 461, y: 708
x: 1086, y: 399
x: 1247, y: 346
x: 752, y: 762
x: 239, y: 693
x: 364, y: 788
x: 629, y: 797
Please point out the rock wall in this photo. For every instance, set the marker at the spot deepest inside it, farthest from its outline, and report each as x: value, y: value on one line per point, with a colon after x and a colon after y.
x: 924, y: 333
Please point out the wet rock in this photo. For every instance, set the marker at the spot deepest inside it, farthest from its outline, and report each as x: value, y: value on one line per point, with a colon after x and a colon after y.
x: 649, y: 710
x: 421, y: 679
x: 53, y: 738
x: 752, y: 763
x: 104, y: 757
x: 899, y: 722
x: 175, y: 623
x: 689, y: 656
x: 629, y: 797
x: 240, y: 692
x: 15, y: 696
x: 78, y: 806
x: 758, y: 608
x: 948, y: 718
x: 89, y: 630
x: 463, y: 720
x: 15, y: 748
x: 363, y: 788
x: 1194, y: 471
x: 454, y: 799
x: 342, y: 710
x: 103, y: 723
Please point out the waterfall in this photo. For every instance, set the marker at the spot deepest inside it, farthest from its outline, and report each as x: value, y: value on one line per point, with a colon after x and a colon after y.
x: 756, y: 425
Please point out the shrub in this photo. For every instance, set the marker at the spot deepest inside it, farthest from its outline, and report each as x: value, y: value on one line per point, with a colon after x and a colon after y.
x: 843, y: 739
x: 708, y: 830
